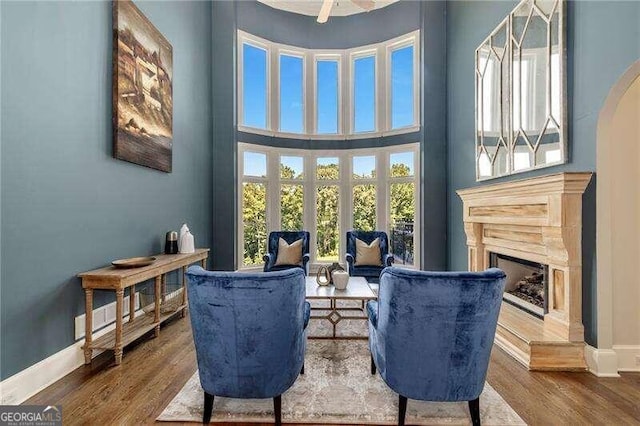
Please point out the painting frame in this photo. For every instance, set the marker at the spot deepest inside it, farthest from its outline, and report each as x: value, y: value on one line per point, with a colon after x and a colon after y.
x: 142, y: 91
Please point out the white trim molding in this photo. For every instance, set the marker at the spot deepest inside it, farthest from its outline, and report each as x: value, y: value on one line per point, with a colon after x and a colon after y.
x: 601, y: 362
x: 628, y: 357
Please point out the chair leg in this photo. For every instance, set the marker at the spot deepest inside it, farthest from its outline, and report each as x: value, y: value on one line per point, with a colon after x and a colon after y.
x: 302, y: 370
x: 277, y: 409
x: 402, y: 409
x: 373, y: 366
x: 208, y: 408
x: 474, y: 410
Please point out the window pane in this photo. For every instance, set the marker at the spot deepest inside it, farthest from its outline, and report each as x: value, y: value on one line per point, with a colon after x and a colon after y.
x: 401, y: 164
x: 291, y: 207
x: 327, y: 211
x: 402, y: 217
x: 254, y: 86
x: 254, y: 218
x: 291, y: 101
x: 364, y: 94
x: 291, y: 167
x: 328, y: 168
x: 364, y: 167
x: 327, y: 94
x: 364, y: 207
x: 255, y: 164
x: 402, y: 87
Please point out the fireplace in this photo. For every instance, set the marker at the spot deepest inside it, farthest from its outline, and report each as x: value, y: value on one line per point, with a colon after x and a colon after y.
x: 532, y: 229
x: 527, y: 283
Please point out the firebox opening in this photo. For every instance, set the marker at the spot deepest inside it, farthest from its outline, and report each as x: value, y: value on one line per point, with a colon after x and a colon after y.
x: 526, y: 285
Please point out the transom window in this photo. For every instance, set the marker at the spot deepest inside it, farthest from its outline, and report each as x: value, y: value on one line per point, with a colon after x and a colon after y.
x: 367, y: 91
x: 328, y: 193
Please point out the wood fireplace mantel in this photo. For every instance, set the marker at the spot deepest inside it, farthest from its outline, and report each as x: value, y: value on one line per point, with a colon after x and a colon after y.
x: 537, y: 219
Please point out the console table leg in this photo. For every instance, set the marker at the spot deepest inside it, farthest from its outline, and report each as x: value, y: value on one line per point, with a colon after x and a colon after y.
x: 132, y: 303
x: 156, y: 312
x: 184, y: 291
x: 119, y: 307
x: 88, y: 324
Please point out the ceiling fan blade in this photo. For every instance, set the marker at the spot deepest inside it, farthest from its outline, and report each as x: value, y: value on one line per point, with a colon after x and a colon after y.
x: 325, y: 10
x: 364, y: 4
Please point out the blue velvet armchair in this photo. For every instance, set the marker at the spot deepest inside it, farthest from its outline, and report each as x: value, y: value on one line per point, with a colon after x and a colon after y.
x: 289, y: 237
x: 372, y: 273
x: 249, y: 333
x: 431, y: 333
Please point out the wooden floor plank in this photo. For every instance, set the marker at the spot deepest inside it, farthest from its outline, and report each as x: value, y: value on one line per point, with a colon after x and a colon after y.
x: 153, y: 371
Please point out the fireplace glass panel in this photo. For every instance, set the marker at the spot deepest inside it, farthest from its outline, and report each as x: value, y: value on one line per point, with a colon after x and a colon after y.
x: 526, y: 284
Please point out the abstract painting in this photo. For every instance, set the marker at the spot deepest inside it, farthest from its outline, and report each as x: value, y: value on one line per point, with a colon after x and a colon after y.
x: 142, y: 90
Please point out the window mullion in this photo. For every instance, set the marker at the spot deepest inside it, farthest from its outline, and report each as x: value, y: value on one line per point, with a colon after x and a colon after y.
x: 273, y: 191
x: 382, y: 182
x: 273, y: 89
x: 382, y: 86
x: 309, y: 93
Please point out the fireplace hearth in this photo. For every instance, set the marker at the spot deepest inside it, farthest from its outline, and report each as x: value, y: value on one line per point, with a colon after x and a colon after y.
x: 526, y: 287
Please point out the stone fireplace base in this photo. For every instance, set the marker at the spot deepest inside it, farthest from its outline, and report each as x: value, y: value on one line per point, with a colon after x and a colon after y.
x: 540, y: 220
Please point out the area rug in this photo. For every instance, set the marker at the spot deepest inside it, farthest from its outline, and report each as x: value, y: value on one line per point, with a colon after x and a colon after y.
x: 337, y: 388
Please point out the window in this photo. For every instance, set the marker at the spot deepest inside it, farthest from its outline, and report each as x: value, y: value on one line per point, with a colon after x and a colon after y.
x: 328, y: 193
x: 402, y: 207
x: 254, y: 207
x: 327, y: 96
x: 402, y: 87
x: 291, y: 94
x: 364, y: 94
x: 353, y: 93
x: 254, y: 85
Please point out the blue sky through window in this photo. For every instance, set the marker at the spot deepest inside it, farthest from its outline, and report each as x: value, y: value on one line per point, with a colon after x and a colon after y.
x: 327, y: 93
x: 255, y: 164
x: 294, y: 163
x: 402, y: 87
x: 291, y: 98
x: 254, y: 84
x: 364, y: 93
x: 404, y: 158
x: 364, y: 167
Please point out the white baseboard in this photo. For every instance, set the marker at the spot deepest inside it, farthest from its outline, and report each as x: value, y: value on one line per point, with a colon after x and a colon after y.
x: 26, y: 383
x: 628, y: 357
x: 601, y: 362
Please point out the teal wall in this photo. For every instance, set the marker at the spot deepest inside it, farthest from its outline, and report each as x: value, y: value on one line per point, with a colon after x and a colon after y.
x: 67, y: 205
x: 603, y: 40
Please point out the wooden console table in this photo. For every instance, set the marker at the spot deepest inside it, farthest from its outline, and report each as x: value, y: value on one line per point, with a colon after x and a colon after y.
x: 114, y: 279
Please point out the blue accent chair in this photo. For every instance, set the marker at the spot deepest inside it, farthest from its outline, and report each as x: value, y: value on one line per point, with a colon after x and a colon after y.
x: 289, y: 237
x: 372, y: 273
x: 249, y: 333
x: 431, y: 334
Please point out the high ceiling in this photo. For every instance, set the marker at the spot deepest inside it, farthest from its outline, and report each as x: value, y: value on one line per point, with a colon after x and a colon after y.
x: 312, y: 7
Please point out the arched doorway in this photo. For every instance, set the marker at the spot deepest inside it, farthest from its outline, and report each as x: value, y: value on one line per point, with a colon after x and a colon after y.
x: 618, y: 227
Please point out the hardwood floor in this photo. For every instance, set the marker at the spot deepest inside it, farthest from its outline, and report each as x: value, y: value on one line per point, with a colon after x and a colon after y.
x: 154, y: 370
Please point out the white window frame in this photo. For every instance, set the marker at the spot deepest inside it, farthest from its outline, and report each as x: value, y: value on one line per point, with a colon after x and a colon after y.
x: 346, y: 182
x: 412, y: 39
x: 243, y: 39
x: 319, y: 56
x: 305, y: 125
x: 345, y: 57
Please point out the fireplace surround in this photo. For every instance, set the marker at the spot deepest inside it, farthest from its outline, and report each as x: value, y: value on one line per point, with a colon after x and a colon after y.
x: 538, y: 220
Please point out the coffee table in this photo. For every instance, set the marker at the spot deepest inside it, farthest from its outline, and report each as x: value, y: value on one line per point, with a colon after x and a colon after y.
x: 358, y: 289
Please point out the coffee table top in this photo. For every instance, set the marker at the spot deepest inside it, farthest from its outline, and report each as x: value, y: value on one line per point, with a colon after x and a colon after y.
x: 358, y: 288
